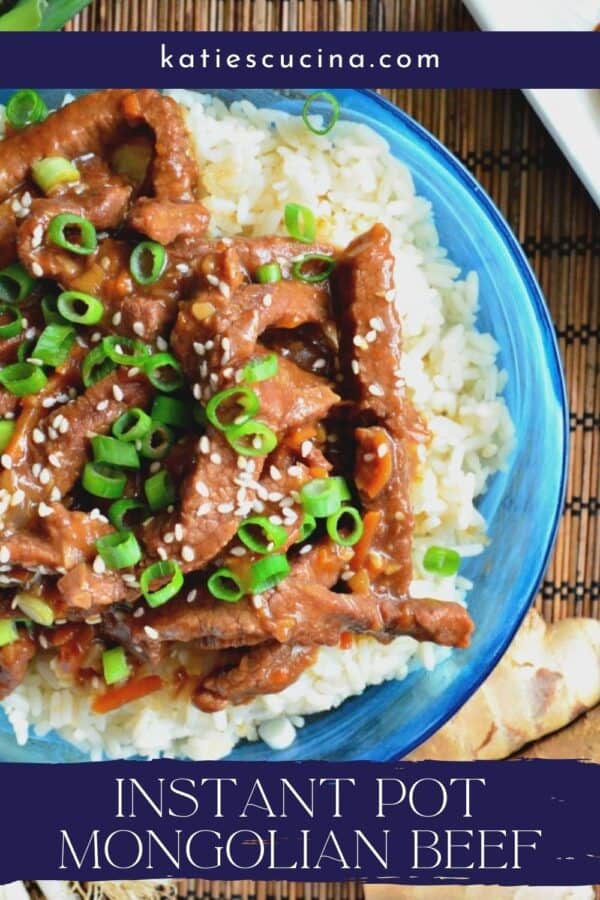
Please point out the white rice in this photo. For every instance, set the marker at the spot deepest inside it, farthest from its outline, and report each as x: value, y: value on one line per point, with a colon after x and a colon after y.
x: 253, y: 162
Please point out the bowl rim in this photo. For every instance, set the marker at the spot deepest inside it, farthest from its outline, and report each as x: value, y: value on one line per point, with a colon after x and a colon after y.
x: 544, y: 319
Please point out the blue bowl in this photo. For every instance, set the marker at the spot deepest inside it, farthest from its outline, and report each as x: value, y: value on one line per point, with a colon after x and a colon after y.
x: 522, y: 505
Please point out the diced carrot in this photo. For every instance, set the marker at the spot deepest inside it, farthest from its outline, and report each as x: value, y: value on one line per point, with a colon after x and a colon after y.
x: 126, y: 693
x: 373, y: 475
x: 296, y: 438
x: 360, y: 582
x: 318, y: 472
x: 346, y: 640
x: 361, y: 549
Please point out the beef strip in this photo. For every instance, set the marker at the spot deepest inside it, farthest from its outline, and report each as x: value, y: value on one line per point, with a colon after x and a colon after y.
x: 267, y: 669
x: 82, y: 588
x: 252, y: 252
x: 14, y: 659
x: 166, y: 221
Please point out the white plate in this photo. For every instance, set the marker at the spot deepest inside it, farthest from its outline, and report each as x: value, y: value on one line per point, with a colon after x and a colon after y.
x: 571, y: 116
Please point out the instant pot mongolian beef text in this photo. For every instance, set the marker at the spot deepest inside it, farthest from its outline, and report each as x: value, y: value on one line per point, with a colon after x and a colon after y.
x: 232, y: 492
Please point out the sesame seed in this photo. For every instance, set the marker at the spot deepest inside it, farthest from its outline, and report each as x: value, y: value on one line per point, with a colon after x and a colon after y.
x: 116, y: 319
x: 197, y: 392
x: 192, y: 595
x: 4, y: 554
x: 319, y: 364
x: 18, y: 497
x: 64, y: 426
x: 377, y: 323
x: 382, y: 450
x: 179, y: 531
x: 117, y: 393
x: 238, y: 551
x: 225, y: 508
x: 133, y: 371
x: 204, y: 444
x: 169, y: 537
x: 202, y: 489
x: 38, y: 436
x: 203, y: 509
x: 267, y: 300
x: 99, y: 566
x: 37, y: 270
x: 215, y: 458
x: 162, y: 552
x: 45, y: 476
x: 306, y: 448
x: 44, y: 510
x: 275, y: 473
x: 376, y: 390
x: 306, y: 549
x: 368, y: 457
x: 359, y: 341
x: 198, y: 348
x: 355, y: 366
x: 137, y: 613
x: 54, y: 460
x: 49, y: 402
x: 150, y: 632
x: 96, y: 337
x: 371, y: 336
x: 161, y: 343
x: 55, y: 494
x: 6, y: 461
x: 139, y: 328
x: 187, y: 553
x: 102, y: 405
x: 183, y: 268
x: 155, y: 466
x: 295, y: 471
x: 276, y: 520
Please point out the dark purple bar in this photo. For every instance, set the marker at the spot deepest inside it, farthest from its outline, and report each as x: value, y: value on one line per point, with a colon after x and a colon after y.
x: 262, y: 59
x: 78, y: 822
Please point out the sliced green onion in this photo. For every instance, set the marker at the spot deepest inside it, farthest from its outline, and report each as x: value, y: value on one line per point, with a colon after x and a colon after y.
x: 300, y: 222
x: 156, y: 572
x: 14, y: 326
x: 115, y: 665
x: 35, y: 609
x: 22, y: 379
x: 24, y: 350
x: 224, y: 584
x: 96, y: 366
x: 65, y: 222
x: 441, y: 561
x: 53, y: 171
x: 241, y: 397
x: 125, y: 351
x: 171, y: 411
x: 323, y: 497
x: 251, y: 438
x: 309, y: 524
x: 119, y: 550
x: 22, y: 15
x: 24, y: 108
x: 69, y: 305
x: 163, y: 372
x: 271, y: 536
x: 103, y: 481
x: 156, y: 443
x: 159, y: 490
x: 15, y: 283
x: 118, y: 510
x: 334, y: 114
x: 262, y: 368
x: 322, y: 275
x: 133, y: 425
x: 8, y: 632
x: 54, y: 344
x: 338, y: 530
x: 50, y: 310
x: 268, y: 273
x: 267, y: 572
x: 114, y: 453
x: 148, y: 262
x: 7, y: 427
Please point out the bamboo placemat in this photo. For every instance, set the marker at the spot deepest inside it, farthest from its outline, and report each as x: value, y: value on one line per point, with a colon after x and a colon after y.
x: 499, y: 138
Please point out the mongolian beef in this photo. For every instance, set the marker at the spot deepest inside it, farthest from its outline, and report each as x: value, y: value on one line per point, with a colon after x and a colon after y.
x: 206, y: 444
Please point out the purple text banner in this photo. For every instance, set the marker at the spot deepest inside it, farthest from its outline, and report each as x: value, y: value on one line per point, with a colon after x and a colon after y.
x: 288, y: 60
x: 527, y: 822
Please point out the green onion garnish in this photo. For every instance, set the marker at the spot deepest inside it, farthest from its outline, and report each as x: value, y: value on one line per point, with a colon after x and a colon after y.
x: 163, y: 372
x: 14, y: 326
x: 334, y: 114
x: 262, y: 368
x: 261, y: 535
x: 50, y: 310
x: 156, y: 572
x: 133, y: 425
x: 156, y: 443
x: 114, y: 453
x: 267, y: 572
x: 83, y: 309
x: 24, y: 108
x: 15, y: 283
x: 315, y: 277
x: 54, y: 344
x: 224, y: 584
x: 148, y: 262
x: 441, y: 561
x: 300, y: 222
x: 323, y: 497
x: 7, y: 427
x: 125, y: 351
x: 171, y: 411
x: 35, y: 609
x: 8, y: 632
x: 68, y: 222
x: 24, y: 350
x: 242, y: 403
x: 338, y: 529
x: 251, y: 438
x: 309, y: 524
x: 96, y: 366
x: 119, y: 550
x: 115, y: 665
x: 159, y: 490
x: 53, y: 171
x: 118, y: 510
x: 103, y: 481
x: 268, y: 273
x: 22, y: 379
